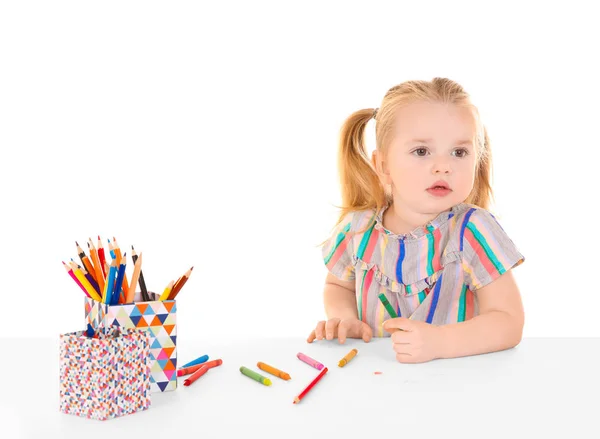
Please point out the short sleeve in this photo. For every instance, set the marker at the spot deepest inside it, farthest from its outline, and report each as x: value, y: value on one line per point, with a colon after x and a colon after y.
x: 337, y: 250
x: 487, y: 250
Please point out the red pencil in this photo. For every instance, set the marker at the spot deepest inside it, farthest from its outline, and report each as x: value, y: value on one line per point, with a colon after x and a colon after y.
x: 101, y: 256
x: 315, y: 381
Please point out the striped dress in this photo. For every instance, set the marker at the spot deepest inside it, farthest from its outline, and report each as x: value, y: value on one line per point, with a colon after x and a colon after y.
x: 429, y: 274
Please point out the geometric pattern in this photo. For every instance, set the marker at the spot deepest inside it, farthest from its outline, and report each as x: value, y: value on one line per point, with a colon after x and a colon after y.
x: 105, y: 377
x: 159, y: 318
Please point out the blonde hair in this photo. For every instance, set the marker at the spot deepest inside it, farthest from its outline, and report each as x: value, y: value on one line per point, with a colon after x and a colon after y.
x: 360, y: 184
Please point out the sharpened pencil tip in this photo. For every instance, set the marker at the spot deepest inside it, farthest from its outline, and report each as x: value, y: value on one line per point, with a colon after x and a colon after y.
x: 76, y: 243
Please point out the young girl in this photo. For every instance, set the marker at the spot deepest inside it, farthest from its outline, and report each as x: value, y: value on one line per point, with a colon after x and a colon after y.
x: 414, y: 226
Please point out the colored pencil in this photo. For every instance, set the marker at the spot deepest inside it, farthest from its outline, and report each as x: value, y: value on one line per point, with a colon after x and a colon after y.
x: 117, y: 297
x: 87, y: 275
x: 86, y: 284
x: 70, y: 271
x: 134, y: 279
x: 86, y: 261
x: 166, y: 292
x: 143, y: 288
x: 112, y: 273
x: 310, y: 386
x: 180, y: 283
x: 97, y: 267
x: 349, y: 356
x: 273, y: 371
x: 101, y: 256
x: 120, y: 257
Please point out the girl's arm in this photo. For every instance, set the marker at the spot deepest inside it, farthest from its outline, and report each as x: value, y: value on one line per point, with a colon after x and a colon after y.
x: 498, y: 326
x: 340, y: 298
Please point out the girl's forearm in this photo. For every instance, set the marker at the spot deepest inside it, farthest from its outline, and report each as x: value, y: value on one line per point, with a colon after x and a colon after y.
x: 489, y: 332
x: 339, y: 302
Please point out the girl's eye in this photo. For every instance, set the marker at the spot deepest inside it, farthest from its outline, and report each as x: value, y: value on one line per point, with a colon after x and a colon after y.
x: 420, y: 152
x: 461, y: 152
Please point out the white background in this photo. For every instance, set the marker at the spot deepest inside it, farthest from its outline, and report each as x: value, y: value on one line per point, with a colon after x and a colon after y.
x: 205, y: 134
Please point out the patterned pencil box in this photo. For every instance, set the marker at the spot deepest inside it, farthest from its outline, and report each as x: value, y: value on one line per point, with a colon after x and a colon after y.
x: 105, y: 377
x: 159, y: 318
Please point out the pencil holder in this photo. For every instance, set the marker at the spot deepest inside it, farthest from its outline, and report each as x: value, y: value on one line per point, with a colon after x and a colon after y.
x: 159, y: 319
x: 104, y: 377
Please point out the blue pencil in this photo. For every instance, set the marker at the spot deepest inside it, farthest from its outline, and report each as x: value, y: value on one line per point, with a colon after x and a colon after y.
x: 110, y: 281
x: 198, y: 360
x: 119, y: 282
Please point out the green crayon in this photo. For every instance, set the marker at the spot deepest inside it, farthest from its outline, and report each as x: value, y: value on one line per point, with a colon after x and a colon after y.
x: 388, y: 306
x: 255, y: 376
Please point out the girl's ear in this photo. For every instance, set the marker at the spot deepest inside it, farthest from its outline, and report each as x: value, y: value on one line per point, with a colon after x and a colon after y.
x: 381, y: 167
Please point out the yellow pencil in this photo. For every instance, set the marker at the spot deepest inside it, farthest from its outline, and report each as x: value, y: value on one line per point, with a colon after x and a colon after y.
x: 167, y: 291
x: 86, y: 284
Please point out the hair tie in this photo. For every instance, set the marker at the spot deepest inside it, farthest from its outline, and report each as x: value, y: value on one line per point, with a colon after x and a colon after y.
x: 375, y: 113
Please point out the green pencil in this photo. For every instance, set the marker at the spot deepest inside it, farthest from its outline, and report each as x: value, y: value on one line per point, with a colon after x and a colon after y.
x: 255, y: 376
x: 388, y: 306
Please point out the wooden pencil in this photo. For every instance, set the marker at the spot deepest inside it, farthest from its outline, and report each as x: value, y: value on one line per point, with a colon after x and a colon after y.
x: 143, y: 288
x: 137, y: 269
x: 97, y: 265
x: 86, y: 261
x: 180, y: 283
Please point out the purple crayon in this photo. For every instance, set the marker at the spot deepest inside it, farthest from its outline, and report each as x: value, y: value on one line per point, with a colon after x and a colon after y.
x: 310, y: 361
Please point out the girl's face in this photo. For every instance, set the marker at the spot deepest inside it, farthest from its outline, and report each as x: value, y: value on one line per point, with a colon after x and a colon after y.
x: 432, y: 142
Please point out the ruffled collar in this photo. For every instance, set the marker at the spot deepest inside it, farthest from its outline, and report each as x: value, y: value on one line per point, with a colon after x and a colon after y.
x: 420, y: 231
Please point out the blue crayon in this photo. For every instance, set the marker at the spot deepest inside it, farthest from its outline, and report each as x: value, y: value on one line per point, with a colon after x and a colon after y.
x: 198, y: 360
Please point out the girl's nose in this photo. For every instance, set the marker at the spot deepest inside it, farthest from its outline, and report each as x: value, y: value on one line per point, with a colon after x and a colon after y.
x: 441, y: 168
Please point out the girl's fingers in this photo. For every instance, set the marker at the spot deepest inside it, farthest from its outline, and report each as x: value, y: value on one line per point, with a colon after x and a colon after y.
x: 320, y: 330
x: 331, y: 328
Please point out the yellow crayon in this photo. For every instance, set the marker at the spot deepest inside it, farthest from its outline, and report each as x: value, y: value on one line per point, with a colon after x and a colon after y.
x: 349, y: 356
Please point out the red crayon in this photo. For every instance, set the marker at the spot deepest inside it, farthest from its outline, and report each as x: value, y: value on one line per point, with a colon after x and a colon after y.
x: 310, y: 386
x: 191, y: 369
x: 201, y: 371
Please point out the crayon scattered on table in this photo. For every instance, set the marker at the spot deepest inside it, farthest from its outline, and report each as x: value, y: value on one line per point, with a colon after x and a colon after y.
x: 273, y: 371
x: 201, y: 371
x: 191, y: 369
x: 198, y: 360
x: 377, y: 373
x: 310, y: 361
x: 255, y: 376
x: 310, y: 386
x: 388, y: 306
x: 349, y: 356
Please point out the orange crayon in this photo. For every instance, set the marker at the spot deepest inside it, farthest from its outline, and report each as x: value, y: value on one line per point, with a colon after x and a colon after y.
x: 273, y: 371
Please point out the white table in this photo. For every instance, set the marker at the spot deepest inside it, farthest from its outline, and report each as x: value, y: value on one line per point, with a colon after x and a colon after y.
x: 543, y: 386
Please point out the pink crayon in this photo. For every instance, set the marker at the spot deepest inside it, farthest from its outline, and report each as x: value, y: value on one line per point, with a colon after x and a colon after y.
x: 310, y: 361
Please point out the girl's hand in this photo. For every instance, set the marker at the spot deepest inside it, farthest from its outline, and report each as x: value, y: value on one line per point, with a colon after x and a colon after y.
x: 341, y: 328
x: 414, y: 341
